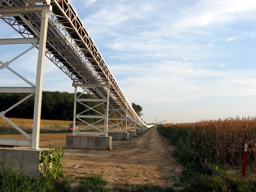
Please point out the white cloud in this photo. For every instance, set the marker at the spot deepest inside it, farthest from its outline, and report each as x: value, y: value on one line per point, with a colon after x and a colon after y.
x: 176, y: 83
x: 117, y: 16
x: 231, y: 39
x: 177, y: 90
x: 148, y: 8
x: 89, y: 3
x: 223, y: 64
x: 165, y: 34
x: 215, y: 12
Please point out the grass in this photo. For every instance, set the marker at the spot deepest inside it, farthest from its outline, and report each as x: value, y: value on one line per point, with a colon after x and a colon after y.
x: 11, y: 181
x: 143, y: 188
x: 93, y: 183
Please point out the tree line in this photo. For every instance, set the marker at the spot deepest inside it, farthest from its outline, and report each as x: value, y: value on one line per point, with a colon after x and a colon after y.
x: 55, y: 105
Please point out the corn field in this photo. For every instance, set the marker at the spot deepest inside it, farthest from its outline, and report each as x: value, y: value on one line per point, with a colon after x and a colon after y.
x: 220, y: 141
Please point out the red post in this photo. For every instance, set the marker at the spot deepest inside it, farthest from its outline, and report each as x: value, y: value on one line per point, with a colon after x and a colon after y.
x: 244, y: 159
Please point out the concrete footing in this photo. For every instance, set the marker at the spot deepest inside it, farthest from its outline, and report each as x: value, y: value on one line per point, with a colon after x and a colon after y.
x: 140, y: 130
x: 23, y: 160
x: 119, y: 135
x: 89, y: 142
x: 132, y: 133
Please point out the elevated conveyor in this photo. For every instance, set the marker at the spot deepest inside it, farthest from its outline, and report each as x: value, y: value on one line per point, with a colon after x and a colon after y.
x: 70, y: 48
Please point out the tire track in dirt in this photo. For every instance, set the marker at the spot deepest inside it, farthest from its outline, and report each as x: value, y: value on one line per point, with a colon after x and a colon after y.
x: 145, y: 159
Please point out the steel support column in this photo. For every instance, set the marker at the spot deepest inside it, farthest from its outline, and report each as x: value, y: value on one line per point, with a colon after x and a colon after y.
x: 33, y: 141
x: 126, y: 129
x: 107, y: 113
x: 74, y: 113
x: 90, y: 106
x: 121, y: 118
x: 39, y: 79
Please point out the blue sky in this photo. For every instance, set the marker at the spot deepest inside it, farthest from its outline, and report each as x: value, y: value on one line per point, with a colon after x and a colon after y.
x: 182, y: 61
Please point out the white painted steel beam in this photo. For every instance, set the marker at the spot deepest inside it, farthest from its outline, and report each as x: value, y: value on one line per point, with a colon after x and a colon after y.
x: 120, y: 119
x: 89, y: 85
x: 15, y: 105
x: 17, y: 89
x: 40, y: 78
x: 90, y: 133
x: 91, y: 125
x: 126, y: 127
x: 92, y: 100
x: 91, y: 116
x: 14, y: 142
x: 107, y: 113
x: 6, y: 64
x: 122, y: 113
x: 14, y: 11
x: 20, y: 76
x: 18, y: 41
x: 27, y: 23
x: 74, y: 112
x: 116, y: 109
x: 16, y: 127
x: 38, y: 1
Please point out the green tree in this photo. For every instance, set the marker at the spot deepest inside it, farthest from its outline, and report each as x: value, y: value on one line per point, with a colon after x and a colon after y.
x: 137, y: 109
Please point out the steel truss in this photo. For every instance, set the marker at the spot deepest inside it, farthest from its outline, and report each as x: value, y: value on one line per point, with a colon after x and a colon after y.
x: 70, y: 48
x: 76, y: 34
x: 82, y: 116
x: 121, y: 119
x: 39, y: 42
x: 99, y: 115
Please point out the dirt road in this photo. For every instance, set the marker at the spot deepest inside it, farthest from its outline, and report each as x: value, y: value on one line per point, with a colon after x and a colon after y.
x: 145, y: 159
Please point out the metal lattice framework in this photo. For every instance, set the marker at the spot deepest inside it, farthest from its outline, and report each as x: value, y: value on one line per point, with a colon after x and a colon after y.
x: 70, y: 48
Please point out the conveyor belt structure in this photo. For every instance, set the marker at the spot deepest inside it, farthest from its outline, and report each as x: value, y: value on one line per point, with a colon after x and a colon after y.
x: 71, y: 49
